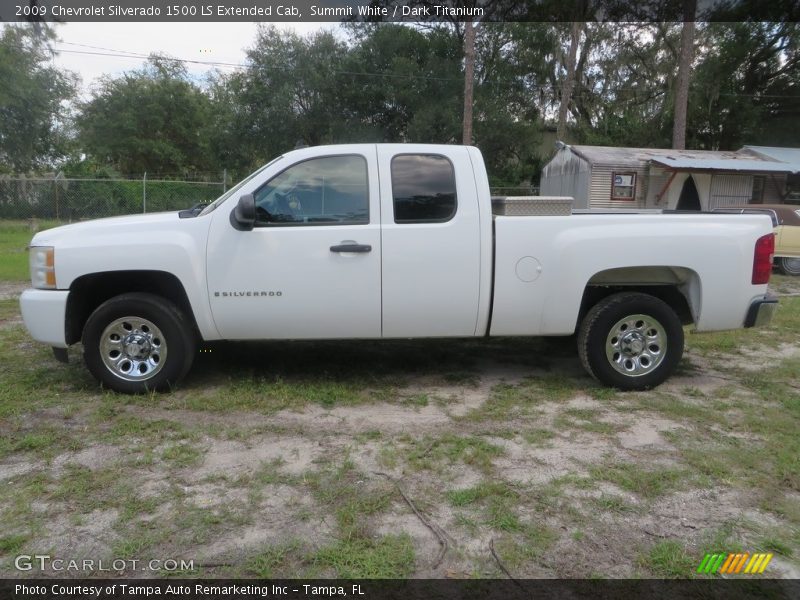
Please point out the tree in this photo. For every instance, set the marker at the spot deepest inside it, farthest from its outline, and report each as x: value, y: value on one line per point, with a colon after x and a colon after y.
x: 569, y: 78
x: 290, y: 90
x: 684, y: 66
x: 33, y: 99
x: 746, y: 86
x: 507, y: 120
x: 469, y: 80
x: 151, y: 120
x: 403, y: 84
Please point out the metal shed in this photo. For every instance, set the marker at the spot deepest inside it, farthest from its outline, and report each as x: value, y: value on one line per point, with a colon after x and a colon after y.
x: 606, y: 177
x: 790, y: 156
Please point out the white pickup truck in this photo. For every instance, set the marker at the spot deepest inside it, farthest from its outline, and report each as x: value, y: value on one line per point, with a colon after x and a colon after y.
x: 389, y: 241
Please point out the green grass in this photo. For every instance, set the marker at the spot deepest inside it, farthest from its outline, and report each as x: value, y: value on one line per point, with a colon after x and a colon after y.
x: 85, y: 490
x: 739, y: 437
x: 14, y: 239
x: 538, y: 436
x: 282, y: 560
x: 669, y: 559
x: 776, y: 544
x: 585, y: 419
x: 9, y: 309
x: 138, y: 542
x: 45, y: 443
x: 523, y: 549
x: 784, y: 328
x: 387, y: 557
x: 182, y: 455
x: 418, y: 400
x: 765, y: 457
x: 471, y: 450
x: 609, y: 503
x: 11, y: 544
x: 482, y: 491
x: 343, y: 492
x: 496, y: 501
x: 647, y: 483
x: 509, y: 401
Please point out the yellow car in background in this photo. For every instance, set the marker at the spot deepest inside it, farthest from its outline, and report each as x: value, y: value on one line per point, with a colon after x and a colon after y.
x: 786, y: 220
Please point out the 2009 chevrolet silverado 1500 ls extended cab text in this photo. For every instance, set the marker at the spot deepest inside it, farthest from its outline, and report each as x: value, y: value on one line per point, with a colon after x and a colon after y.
x: 389, y: 241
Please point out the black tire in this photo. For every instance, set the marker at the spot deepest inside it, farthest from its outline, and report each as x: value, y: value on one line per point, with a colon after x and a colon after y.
x: 788, y: 265
x: 147, y: 328
x: 631, y: 341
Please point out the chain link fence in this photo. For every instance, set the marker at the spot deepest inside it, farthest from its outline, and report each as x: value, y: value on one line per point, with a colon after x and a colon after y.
x: 519, y: 190
x: 69, y: 200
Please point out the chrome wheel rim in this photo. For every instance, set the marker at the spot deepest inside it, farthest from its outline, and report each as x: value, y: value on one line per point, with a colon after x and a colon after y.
x: 792, y: 265
x: 133, y: 348
x: 636, y: 345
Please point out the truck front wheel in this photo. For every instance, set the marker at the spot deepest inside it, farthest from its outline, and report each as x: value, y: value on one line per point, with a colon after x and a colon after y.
x: 631, y: 341
x: 138, y: 342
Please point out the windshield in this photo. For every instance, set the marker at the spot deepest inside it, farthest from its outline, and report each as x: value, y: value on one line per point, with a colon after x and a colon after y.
x: 235, y: 188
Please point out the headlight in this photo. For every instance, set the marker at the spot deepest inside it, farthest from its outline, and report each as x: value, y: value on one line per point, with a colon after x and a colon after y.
x: 43, y: 267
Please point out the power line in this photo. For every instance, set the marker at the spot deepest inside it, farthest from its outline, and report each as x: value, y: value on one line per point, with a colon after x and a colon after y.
x: 114, y: 53
x: 139, y: 54
x: 117, y: 54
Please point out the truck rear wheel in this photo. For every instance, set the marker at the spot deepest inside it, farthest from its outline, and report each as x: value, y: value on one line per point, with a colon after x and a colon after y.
x: 137, y: 342
x: 631, y: 341
x: 788, y: 265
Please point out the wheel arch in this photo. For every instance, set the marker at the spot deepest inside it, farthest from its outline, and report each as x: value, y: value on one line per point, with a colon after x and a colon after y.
x: 678, y: 287
x: 90, y: 291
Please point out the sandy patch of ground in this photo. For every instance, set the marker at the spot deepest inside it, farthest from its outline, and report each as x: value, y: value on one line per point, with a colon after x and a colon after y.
x: 9, y: 290
x: 260, y: 482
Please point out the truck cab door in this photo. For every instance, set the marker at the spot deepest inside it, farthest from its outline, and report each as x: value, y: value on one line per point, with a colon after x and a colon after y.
x: 431, y: 241
x: 311, y: 266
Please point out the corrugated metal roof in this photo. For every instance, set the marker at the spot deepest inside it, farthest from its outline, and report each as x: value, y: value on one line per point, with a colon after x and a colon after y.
x: 731, y: 164
x: 638, y: 156
x: 787, y: 155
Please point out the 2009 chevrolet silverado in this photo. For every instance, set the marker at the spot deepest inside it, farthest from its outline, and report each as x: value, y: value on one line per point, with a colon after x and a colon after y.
x: 389, y: 241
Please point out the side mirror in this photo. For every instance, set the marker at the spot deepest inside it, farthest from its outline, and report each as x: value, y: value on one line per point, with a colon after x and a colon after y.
x: 243, y: 216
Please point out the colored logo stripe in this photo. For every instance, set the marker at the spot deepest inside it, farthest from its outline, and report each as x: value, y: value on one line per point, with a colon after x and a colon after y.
x: 735, y: 563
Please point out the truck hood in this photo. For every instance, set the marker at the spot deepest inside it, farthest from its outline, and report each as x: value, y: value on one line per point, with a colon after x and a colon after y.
x: 112, y: 225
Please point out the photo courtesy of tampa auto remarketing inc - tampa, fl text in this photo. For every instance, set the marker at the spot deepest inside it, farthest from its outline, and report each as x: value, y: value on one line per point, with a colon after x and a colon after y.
x: 378, y: 299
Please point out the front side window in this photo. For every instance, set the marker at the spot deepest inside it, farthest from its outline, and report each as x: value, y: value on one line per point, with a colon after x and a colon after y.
x: 623, y: 186
x: 331, y: 190
x: 423, y: 188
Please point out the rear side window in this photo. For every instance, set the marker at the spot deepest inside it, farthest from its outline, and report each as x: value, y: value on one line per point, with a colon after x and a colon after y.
x: 423, y: 188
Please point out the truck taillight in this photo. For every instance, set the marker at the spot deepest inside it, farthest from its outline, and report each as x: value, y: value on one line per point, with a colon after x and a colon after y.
x: 762, y: 259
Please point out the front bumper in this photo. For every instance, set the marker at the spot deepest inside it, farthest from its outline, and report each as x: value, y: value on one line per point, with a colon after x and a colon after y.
x: 761, y: 311
x: 44, y: 312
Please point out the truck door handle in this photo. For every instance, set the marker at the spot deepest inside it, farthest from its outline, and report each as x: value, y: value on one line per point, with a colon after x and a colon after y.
x: 360, y: 248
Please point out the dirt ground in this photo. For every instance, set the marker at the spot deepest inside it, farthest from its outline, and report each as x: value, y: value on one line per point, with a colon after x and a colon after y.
x: 481, y: 458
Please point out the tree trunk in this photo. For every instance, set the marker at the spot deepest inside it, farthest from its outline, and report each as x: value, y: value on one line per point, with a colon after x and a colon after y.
x: 469, y: 79
x: 684, y: 67
x: 569, y: 80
